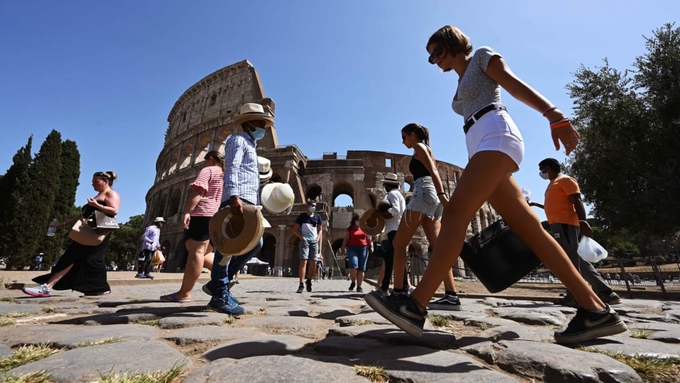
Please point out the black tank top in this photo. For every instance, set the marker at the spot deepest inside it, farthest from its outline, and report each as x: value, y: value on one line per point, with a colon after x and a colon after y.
x: 417, y: 169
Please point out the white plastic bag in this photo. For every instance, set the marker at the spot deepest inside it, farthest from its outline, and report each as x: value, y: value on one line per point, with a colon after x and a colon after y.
x: 590, y: 250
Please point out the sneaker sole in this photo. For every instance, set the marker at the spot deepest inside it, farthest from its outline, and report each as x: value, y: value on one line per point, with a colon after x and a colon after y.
x: 39, y: 295
x: 437, y: 306
x: 222, y: 312
x: 206, y: 290
x: 398, y: 321
x: 598, y: 332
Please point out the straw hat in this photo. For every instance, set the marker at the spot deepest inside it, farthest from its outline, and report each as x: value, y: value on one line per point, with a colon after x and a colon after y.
x: 277, y: 197
x: 265, y: 168
x: 159, y: 219
x: 253, y: 111
x: 391, y: 179
x: 371, y: 222
x: 236, y: 235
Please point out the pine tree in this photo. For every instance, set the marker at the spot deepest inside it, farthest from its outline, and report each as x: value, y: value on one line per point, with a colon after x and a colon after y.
x: 64, y: 201
x: 8, y: 183
x: 33, y: 201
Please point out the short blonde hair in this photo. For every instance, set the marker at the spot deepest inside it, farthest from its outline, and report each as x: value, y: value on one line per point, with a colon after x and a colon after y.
x: 451, y: 39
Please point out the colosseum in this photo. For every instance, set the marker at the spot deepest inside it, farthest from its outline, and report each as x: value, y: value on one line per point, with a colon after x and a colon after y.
x: 201, y: 120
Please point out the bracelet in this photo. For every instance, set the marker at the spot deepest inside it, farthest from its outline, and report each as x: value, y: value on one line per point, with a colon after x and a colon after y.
x: 549, y: 110
x: 441, y: 193
x: 560, y: 124
x: 583, y: 220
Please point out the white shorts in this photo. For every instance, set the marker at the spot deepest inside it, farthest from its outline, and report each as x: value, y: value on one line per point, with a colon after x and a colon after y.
x: 496, y: 132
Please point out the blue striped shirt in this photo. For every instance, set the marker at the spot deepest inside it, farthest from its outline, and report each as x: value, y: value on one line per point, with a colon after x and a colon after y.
x: 241, y: 174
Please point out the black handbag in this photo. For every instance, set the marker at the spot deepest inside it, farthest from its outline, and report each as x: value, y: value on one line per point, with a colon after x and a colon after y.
x: 103, y: 221
x: 498, y: 257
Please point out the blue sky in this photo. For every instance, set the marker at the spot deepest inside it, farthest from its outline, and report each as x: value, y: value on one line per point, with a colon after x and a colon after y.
x: 345, y: 75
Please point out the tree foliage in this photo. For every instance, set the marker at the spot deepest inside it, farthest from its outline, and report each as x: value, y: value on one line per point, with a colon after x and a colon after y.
x: 8, y: 183
x: 124, y: 241
x: 63, y: 207
x: 627, y: 162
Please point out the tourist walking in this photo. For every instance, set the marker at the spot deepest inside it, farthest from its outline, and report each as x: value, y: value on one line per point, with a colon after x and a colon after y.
x: 308, y: 227
x: 204, y: 200
x: 356, y: 246
x: 150, y: 243
x: 82, y: 267
x: 495, y: 151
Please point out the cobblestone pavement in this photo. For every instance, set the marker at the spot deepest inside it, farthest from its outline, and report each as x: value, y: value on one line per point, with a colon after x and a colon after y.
x: 322, y: 336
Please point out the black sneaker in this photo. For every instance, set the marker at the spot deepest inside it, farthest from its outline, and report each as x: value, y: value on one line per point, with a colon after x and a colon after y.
x: 309, y: 285
x: 301, y: 288
x: 588, y: 325
x: 400, y: 310
x: 611, y: 298
x: 447, y: 302
x: 351, y: 286
x: 569, y: 301
x: 360, y: 289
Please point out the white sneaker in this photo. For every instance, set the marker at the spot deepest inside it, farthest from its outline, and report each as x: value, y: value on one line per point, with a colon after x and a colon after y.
x: 39, y: 291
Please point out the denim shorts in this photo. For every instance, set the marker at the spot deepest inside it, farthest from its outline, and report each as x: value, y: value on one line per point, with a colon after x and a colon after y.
x: 424, y: 199
x: 357, y: 257
x: 309, y: 249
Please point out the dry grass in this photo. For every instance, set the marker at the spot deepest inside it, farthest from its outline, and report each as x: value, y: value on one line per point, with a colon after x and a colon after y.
x: 438, y: 320
x: 100, y: 342
x: 375, y: 373
x: 152, y: 322
x: 34, y: 377
x: 174, y: 375
x: 640, y: 333
x: 657, y: 370
x: 27, y: 354
x: 361, y: 322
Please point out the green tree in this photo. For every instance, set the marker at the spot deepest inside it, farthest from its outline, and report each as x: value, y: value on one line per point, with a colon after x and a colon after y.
x: 123, y: 242
x: 33, y: 201
x: 8, y: 183
x: 627, y: 162
x: 64, y: 201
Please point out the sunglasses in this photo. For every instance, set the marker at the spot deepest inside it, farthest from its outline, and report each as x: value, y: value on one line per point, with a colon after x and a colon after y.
x: 436, y: 52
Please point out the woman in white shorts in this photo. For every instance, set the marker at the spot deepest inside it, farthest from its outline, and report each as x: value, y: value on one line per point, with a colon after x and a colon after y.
x: 425, y: 207
x: 495, y: 149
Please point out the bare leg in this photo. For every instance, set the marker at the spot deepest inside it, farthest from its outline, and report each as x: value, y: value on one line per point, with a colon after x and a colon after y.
x: 360, y: 278
x: 382, y: 275
x: 302, y: 269
x: 208, y: 259
x: 353, y: 275
x: 58, y: 275
x: 407, y: 228
x: 488, y: 176
x: 431, y: 228
x: 195, y: 262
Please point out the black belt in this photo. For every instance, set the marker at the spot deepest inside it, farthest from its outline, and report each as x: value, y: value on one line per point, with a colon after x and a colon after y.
x: 471, y: 121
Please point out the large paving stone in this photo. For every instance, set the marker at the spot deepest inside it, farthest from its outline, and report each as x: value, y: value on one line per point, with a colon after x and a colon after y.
x: 267, y: 369
x: 87, y: 364
x: 5, y: 351
x: 485, y: 322
x: 420, y: 364
x: 257, y: 346
x: 663, y: 332
x: 394, y: 336
x: 204, y: 334
x: 535, y: 333
x: 550, y: 362
x: 343, y: 346
x: 624, y: 344
x: 191, y: 319
x: 71, y: 336
x: 286, y: 325
x: 533, y: 317
x: 11, y: 308
x: 360, y: 319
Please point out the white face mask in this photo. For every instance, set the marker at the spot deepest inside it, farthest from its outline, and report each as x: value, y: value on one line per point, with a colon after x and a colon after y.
x: 544, y: 175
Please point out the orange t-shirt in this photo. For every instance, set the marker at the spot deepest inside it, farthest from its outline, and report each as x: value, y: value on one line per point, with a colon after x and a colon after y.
x: 558, y: 207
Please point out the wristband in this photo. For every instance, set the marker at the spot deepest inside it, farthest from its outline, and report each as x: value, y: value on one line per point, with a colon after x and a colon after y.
x: 583, y: 220
x: 549, y: 110
x: 441, y: 193
x: 560, y: 124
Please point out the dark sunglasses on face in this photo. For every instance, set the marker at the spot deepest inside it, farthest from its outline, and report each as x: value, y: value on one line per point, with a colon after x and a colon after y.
x: 436, y: 52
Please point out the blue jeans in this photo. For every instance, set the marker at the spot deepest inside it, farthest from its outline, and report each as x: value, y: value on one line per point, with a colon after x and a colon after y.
x: 221, y: 275
x: 357, y: 256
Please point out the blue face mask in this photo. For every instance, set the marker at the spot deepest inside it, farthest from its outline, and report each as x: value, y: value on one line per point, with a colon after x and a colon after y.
x: 258, y: 133
x: 312, y: 209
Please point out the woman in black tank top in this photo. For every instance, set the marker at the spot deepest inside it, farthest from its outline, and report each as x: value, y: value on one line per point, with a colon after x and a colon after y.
x: 422, y: 210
